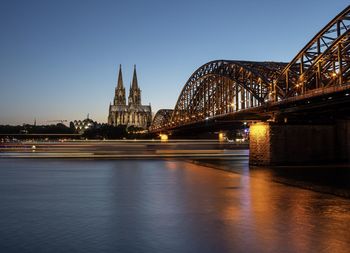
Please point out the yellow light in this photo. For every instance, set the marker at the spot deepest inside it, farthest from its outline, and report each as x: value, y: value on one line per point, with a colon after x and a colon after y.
x: 334, y: 74
x: 258, y: 130
x: 163, y: 137
x: 221, y: 136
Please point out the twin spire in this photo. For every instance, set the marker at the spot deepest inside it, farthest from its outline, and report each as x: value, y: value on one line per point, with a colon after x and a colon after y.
x: 134, y: 94
x: 120, y: 78
x: 134, y: 85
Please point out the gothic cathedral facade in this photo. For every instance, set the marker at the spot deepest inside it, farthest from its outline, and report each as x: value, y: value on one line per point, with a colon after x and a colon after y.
x: 133, y: 113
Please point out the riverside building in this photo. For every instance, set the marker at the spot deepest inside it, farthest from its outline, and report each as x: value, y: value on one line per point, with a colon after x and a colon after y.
x: 132, y: 113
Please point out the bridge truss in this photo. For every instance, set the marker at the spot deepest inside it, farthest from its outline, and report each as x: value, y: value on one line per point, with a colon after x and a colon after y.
x: 225, y: 87
x: 323, y: 62
x: 161, y: 119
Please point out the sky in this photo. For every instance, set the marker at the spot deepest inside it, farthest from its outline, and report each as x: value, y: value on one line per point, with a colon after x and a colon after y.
x: 59, y: 59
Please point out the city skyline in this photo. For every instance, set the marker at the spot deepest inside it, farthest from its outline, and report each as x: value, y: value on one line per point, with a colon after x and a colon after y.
x: 61, y: 60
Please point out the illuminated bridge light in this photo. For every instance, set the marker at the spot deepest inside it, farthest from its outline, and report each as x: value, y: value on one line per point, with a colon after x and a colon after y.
x: 222, y: 137
x: 258, y: 130
x: 163, y: 137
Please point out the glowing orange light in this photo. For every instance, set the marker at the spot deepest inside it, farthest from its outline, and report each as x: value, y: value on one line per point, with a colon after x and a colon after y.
x: 221, y: 136
x: 258, y: 130
x: 163, y: 137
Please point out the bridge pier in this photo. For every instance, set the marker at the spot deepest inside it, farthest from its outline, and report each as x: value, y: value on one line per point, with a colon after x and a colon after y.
x: 273, y: 143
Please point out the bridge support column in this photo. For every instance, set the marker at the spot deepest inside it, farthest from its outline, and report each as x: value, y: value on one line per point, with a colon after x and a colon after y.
x: 273, y: 144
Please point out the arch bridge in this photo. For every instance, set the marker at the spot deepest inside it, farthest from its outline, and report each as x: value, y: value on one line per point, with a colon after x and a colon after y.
x: 240, y: 90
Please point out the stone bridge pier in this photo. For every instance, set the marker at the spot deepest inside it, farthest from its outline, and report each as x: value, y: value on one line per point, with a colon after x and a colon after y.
x: 277, y: 143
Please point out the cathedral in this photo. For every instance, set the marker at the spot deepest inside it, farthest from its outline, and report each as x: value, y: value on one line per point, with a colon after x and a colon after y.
x: 133, y: 113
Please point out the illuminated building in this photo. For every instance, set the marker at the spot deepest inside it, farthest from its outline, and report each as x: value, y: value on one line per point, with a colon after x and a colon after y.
x: 131, y: 114
x: 81, y: 125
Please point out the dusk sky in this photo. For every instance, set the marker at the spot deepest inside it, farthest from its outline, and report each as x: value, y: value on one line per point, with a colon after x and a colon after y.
x: 59, y: 59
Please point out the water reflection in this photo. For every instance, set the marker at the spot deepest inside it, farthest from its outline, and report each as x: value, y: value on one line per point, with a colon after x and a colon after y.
x: 301, y: 220
x: 162, y: 206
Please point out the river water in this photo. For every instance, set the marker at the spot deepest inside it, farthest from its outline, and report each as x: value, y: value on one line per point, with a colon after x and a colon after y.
x: 52, y: 205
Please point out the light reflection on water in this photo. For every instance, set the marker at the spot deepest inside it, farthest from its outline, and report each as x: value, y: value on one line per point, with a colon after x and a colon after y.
x: 162, y: 206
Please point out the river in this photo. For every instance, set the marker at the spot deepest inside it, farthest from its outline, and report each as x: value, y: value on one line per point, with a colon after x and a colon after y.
x: 165, y: 205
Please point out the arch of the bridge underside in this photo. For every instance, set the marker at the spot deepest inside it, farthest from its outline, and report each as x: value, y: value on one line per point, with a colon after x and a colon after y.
x: 324, y: 61
x: 161, y: 119
x: 222, y: 87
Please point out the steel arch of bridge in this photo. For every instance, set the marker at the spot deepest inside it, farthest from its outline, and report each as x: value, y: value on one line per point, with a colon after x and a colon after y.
x: 223, y: 87
x: 324, y: 58
x: 161, y: 119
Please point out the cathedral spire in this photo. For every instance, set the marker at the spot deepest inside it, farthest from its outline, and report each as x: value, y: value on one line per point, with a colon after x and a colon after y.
x: 120, y: 78
x: 135, y: 92
x: 134, y: 85
x: 119, y: 97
